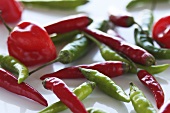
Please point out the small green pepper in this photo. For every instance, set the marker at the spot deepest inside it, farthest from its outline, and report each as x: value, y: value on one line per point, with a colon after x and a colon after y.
x: 95, y: 110
x: 13, y: 65
x: 70, y: 52
x: 105, y: 84
x: 81, y: 92
x: 58, y: 38
x: 140, y: 103
x: 54, y: 4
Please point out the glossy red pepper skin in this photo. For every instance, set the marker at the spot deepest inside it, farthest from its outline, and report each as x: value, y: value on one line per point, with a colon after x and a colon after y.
x: 121, y: 19
x: 11, y: 10
x: 10, y: 83
x: 135, y: 53
x: 148, y: 80
x: 31, y: 44
x: 109, y: 68
x: 61, y: 90
x: 165, y: 108
x: 161, y: 32
x: 68, y: 24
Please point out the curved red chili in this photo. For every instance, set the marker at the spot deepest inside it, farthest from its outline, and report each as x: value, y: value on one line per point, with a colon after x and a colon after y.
x: 165, y: 108
x: 10, y: 83
x: 148, y: 80
x: 135, y: 53
x: 68, y: 24
x: 109, y: 68
x: 11, y: 10
x: 31, y: 44
x: 62, y: 91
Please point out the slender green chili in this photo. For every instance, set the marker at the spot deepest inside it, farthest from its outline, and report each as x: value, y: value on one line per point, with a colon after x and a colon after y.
x: 154, y: 69
x: 13, y: 65
x: 105, y: 84
x: 142, y: 41
x: 54, y: 4
x: 58, y: 38
x: 82, y: 91
x: 134, y: 3
x: 71, y: 52
x: 140, y: 103
x: 95, y: 110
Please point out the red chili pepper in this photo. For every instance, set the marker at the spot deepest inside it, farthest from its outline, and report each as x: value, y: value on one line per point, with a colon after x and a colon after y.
x: 62, y: 91
x: 120, y: 18
x: 148, y: 80
x: 11, y: 10
x: 165, y: 108
x: 109, y: 68
x: 161, y: 32
x: 68, y: 24
x: 10, y: 83
x: 31, y: 44
x: 135, y: 53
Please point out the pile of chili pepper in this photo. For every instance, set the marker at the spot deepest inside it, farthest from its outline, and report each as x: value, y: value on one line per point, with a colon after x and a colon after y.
x: 39, y: 48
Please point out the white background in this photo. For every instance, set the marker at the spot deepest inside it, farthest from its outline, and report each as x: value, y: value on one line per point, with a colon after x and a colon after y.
x: 97, y: 10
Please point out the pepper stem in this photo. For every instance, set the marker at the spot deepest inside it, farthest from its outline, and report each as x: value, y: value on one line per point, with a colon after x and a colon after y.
x: 46, y: 64
x: 3, y: 21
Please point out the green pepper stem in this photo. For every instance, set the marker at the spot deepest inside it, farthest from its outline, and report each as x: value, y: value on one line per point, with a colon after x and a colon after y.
x: 46, y: 64
x: 3, y: 21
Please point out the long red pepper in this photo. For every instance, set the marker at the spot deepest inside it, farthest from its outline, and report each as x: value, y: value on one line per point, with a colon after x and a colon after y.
x: 165, y: 108
x: 135, y: 53
x: 109, y: 68
x: 62, y: 91
x: 68, y: 24
x: 148, y: 80
x: 10, y: 83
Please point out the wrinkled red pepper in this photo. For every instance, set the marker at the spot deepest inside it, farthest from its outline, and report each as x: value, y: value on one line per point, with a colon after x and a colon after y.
x: 11, y: 10
x: 109, y: 68
x: 148, y: 80
x: 68, y: 24
x: 135, y: 53
x: 31, y: 44
x: 61, y: 90
x: 10, y: 83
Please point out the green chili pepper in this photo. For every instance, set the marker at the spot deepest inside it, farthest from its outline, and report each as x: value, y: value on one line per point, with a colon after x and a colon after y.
x: 142, y: 41
x: 95, y: 110
x: 82, y: 91
x: 58, y: 38
x: 71, y: 52
x: 54, y: 4
x: 134, y: 3
x: 13, y: 65
x: 154, y: 69
x: 140, y: 103
x: 105, y: 84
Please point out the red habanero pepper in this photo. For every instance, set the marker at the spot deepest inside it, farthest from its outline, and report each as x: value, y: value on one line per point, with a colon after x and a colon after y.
x: 11, y: 10
x: 70, y: 23
x: 31, y: 44
x: 61, y: 90
x: 10, y: 83
x: 109, y: 68
x: 148, y: 80
x: 135, y: 53
x: 165, y: 108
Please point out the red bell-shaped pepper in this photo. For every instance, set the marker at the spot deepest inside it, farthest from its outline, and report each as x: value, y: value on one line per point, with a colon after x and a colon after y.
x: 11, y: 10
x: 31, y: 44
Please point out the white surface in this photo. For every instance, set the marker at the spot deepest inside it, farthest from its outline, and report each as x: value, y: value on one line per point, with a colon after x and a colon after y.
x: 96, y: 9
